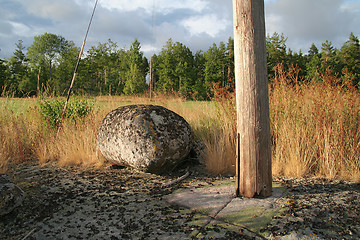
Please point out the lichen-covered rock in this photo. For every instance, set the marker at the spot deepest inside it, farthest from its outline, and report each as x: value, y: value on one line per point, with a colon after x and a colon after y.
x: 146, y: 137
x: 11, y: 196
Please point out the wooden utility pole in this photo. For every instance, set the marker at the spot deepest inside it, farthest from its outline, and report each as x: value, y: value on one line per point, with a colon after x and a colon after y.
x: 253, y: 163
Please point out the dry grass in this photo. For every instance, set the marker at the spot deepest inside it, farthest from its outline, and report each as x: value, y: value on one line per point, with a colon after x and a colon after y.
x: 25, y: 137
x: 218, y: 132
x: 74, y: 145
x: 16, y: 137
x: 315, y: 129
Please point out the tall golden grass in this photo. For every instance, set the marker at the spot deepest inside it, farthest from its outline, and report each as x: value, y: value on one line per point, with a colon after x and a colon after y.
x: 315, y: 126
x: 315, y: 129
x: 219, y: 133
x: 16, y: 136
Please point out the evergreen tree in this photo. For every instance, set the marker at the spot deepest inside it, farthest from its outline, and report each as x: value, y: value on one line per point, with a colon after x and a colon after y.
x: 330, y: 64
x: 327, y: 51
x: 103, y: 71
x: 154, y: 69
x: 199, y: 85
x: 276, y: 52
x: 18, y: 71
x: 135, y: 81
x: 296, y: 62
x: 175, y: 69
x: 313, y: 67
x: 230, y: 55
x: 184, y: 69
x: 136, y: 71
x: 313, y: 50
x: 165, y: 69
x: 350, y: 58
x: 135, y: 56
x: 106, y: 69
x: 3, y: 76
x: 215, y: 59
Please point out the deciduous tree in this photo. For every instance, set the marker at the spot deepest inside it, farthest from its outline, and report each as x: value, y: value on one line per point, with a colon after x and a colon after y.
x: 46, y: 50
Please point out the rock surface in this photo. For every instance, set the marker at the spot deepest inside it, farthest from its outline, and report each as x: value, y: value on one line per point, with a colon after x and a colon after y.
x: 146, y: 137
x: 11, y: 196
x: 318, y: 208
x: 77, y: 203
x: 83, y: 203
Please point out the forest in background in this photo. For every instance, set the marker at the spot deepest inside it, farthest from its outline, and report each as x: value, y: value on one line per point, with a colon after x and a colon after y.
x: 46, y: 67
x: 314, y: 102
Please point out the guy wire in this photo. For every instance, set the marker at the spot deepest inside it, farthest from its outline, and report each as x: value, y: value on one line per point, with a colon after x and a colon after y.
x: 76, y: 68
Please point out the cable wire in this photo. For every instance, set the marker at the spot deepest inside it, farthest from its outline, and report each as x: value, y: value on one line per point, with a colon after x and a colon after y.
x: 76, y: 68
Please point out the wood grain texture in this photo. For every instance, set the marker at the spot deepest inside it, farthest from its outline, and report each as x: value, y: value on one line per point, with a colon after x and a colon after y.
x: 252, y: 100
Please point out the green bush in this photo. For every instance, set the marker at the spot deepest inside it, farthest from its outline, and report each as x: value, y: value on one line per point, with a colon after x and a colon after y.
x: 51, y: 110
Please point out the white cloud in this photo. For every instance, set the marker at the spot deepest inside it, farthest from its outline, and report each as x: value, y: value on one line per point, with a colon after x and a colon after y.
x: 196, y: 23
x: 351, y: 5
x: 273, y: 23
x: 307, y: 21
x: 209, y: 24
x: 21, y: 29
x: 149, y: 48
x: 164, y: 6
x: 55, y: 10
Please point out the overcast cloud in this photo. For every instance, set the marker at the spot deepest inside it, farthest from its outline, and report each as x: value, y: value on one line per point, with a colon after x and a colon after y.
x: 196, y: 23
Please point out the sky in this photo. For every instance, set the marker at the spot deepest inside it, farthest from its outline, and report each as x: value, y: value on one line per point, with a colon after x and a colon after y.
x: 196, y: 23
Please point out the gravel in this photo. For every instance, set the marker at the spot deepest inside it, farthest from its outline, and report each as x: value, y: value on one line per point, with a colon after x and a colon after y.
x: 80, y: 203
x: 318, y: 208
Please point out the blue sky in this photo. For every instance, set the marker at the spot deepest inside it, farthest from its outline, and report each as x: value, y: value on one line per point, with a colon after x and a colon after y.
x: 196, y: 23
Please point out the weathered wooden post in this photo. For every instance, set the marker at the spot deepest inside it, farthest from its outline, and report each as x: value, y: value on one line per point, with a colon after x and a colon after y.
x: 254, y: 176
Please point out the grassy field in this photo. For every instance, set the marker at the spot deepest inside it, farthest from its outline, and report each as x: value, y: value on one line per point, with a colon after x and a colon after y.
x: 315, y: 130
x: 25, y: 136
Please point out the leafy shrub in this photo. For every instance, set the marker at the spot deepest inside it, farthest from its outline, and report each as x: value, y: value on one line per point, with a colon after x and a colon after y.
x: 51, y: 110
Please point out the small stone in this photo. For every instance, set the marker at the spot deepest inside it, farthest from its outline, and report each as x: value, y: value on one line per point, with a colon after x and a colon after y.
x: 11, y: 196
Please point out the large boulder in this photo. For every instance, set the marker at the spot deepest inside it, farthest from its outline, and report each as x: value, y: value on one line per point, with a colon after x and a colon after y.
x: 146, y: 137
x: 11, y: 196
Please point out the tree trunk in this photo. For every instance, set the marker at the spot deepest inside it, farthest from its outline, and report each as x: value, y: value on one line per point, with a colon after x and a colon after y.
x: 50, y: 74
x: 229, y: 79
x: 254, y: 177
x: 151, y: 80
x: 38, y: 82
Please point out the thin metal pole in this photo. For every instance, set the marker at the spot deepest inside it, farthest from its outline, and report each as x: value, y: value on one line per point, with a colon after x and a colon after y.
x: 76, y: 68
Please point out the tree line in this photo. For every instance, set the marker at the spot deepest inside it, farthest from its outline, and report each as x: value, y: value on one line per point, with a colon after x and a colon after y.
x: 47, y: 66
